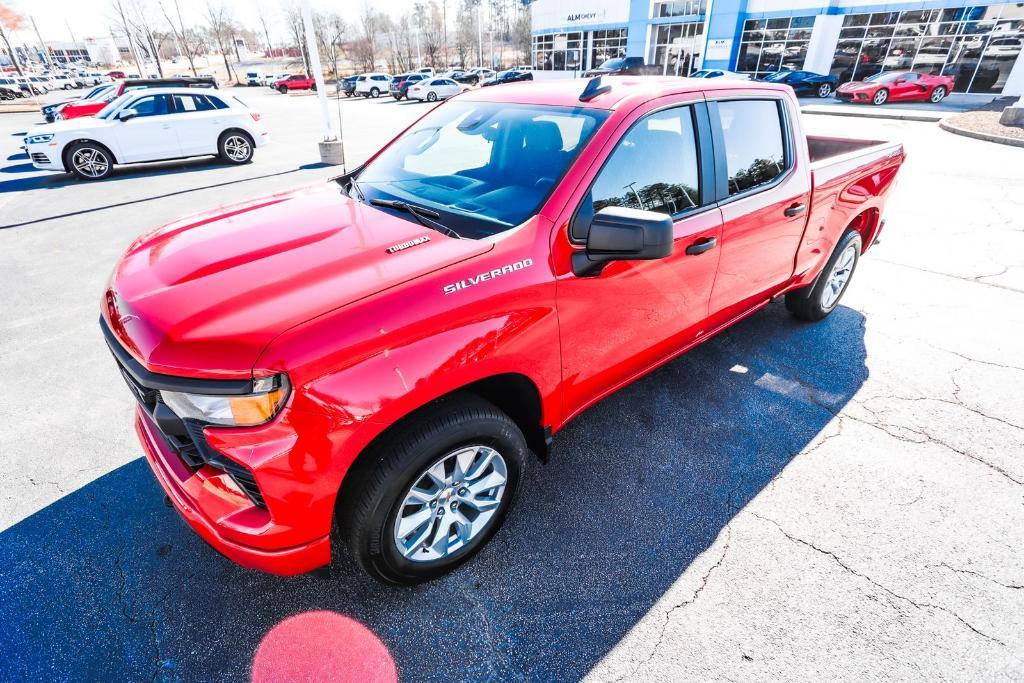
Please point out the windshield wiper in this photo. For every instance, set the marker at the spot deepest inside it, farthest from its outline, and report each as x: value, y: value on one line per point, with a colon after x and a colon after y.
x: 424, y: 217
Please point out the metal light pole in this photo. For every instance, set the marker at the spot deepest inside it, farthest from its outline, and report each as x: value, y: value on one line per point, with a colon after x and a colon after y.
x: 332, y: 150
x: 42, y: 45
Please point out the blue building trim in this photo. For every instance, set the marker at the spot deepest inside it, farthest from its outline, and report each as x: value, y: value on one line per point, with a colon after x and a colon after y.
x: 725, y: 23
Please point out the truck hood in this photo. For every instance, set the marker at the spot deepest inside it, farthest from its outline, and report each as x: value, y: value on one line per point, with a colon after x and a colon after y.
x: 203, y: 296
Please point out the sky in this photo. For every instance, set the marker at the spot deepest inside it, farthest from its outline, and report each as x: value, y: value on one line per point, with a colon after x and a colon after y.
x: 92, y: 17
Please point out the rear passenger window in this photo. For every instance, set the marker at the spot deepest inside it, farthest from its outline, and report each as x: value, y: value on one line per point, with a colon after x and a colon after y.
x: 754, y: 149
x: 654, y: 166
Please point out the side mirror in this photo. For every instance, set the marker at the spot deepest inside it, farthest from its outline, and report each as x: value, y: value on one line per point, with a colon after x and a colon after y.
x: 622, y: 234
x: 126, y: 114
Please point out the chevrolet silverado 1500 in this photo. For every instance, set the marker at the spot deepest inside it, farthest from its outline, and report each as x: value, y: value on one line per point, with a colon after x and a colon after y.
x: 370, y: 363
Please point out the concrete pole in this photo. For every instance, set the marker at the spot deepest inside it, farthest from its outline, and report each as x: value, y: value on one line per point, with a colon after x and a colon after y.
x: 331, y: 148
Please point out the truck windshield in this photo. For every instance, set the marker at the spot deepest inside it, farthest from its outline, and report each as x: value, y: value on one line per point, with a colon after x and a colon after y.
x: 483, y: 167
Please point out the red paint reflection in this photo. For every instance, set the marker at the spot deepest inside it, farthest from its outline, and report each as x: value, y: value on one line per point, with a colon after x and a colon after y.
x: 322, y: 646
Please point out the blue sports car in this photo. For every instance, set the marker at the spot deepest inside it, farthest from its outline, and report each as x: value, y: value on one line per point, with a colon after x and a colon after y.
x: 805, y: 83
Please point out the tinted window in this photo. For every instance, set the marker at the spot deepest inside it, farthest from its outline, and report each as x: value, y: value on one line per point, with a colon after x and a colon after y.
x: 653, y: 167
x: 187, y: 103
x: 754, y: 147
x: 154, y: 105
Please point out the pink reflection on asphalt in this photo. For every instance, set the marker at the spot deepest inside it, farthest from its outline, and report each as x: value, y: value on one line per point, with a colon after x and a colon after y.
x: 322, y: 646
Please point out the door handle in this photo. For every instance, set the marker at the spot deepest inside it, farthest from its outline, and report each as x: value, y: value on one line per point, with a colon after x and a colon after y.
x: 795, y: 210
x: 702, y: 245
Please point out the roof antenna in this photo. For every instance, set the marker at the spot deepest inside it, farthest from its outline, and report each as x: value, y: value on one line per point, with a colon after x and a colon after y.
x: 593, y: 89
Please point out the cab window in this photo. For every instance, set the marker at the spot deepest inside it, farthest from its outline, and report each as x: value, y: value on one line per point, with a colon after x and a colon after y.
x: 654, y: 167
x: 754, y: 142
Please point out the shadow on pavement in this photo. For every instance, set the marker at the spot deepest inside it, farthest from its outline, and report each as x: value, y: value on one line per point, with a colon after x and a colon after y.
x: 108, y: 584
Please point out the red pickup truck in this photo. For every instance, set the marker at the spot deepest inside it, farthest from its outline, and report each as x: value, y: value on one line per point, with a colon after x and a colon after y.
x: 369, y: 363
x: 294, y: 82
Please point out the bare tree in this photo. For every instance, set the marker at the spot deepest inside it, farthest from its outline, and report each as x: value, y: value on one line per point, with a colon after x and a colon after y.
x: 122, y: 10
x: 221, y: 30
x: 180, y: 35
x: 10, y: 21
x: 330, y: 30
x: 430, y: 23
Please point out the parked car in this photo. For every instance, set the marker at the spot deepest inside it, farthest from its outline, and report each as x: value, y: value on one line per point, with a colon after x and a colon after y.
x: 149, y: 125
x: 295, y: 82
x: 434, y: 89
x: 116, y: 74
x: 271, y: 79
x: 40, y: 84
x: 348, y: 85
x: 8, y: 93
x: 254, y: 77
x: 73, y: 110
x: 805, y: 83
x: 15, y: 86
x: 372, y: 84
x: 61, y: 82
x: 49, y: 111
x: 399, y: 87
x: 510, y: 76
x: 622, y: 66
x: 482, y: 73
x: 897, y: 86
x: 316, y: 371
x: 720, y: 73
x: 427, y: 70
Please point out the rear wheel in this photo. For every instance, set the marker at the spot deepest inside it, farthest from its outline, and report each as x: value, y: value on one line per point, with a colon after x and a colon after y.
x: 427, y: 497
x: 824, y: 90
x: 374, y: 93
x: 938, y: 94
x: 235, y: 147
x: 431, y: 97
x: 881, y: 97
x: 820, y: 298
x: 90, y: 161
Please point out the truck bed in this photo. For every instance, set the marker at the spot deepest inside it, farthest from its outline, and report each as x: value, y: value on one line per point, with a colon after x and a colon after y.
x: 834, y: 157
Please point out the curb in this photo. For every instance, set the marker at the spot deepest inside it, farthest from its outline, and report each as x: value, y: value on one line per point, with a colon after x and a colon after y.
x: 901, y: 116
x: 988, y: 137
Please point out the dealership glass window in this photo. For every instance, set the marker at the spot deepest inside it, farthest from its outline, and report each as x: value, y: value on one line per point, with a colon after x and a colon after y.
x: 977, y: 45
x: 558, y: 51
x: 606, y: 45
x: 654, y: 166
x: 770, y: 45
x: 676, y: 47
x: 679, y: 8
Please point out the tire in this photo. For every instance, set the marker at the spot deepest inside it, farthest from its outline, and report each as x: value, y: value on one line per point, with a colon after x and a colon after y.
x: 460, y: 428
x: 881, y: 97
x: 824, y: 90
x: 313, y: 87
x: 235, y: 147
x: 431, y: 96
x: 283, y: 89
x: 938, y: 94
x: 89, y: 161
x: 348, y: 93
x: 817, y: 300
x: 398, y: 98
x: 374, y: 93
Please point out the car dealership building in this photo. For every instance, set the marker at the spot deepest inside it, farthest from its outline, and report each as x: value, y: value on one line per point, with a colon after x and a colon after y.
x: 979, y: 44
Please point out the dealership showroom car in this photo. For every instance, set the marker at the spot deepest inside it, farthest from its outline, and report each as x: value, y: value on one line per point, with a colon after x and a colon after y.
x: 149, y: 125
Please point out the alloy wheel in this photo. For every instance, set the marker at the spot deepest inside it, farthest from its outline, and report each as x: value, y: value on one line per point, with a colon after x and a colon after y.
x: 824, y: 90
x: 237, y: 148
x: 450, y: 503
x: 839, y: 277
x: 90, y: 162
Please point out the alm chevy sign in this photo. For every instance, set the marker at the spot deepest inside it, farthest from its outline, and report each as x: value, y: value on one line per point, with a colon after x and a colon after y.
x: 553, y: 14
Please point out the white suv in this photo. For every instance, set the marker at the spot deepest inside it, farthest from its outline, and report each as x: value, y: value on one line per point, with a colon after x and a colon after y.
x: 372, y: 85
x: 149, y: 125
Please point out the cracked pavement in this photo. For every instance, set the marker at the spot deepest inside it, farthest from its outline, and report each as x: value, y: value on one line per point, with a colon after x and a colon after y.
x: 837, y: 501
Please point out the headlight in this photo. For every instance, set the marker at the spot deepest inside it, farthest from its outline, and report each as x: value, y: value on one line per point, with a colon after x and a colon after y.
x: 269, y: 394
x: 36, y: 139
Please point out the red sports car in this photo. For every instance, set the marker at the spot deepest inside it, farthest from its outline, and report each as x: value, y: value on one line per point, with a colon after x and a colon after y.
x: 897, y: 86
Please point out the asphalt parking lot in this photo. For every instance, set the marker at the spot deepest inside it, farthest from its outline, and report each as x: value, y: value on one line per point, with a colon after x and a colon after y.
x: 787, y: 501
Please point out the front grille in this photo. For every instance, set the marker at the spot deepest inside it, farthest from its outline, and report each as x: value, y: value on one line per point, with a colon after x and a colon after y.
x: 40, y: 158
x: 183, y: 436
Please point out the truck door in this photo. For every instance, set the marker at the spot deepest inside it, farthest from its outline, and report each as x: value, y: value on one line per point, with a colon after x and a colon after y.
x: 633, y: 314
x: 764, y: 191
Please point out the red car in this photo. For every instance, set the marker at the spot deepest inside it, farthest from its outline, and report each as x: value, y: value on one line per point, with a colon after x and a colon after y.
x: 77, y: 108
x: 370, y: 363
x: 295, y: 82
x: 897, y: 86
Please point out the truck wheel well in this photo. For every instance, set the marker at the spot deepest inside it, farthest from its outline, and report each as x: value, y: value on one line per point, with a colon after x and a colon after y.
x: 517, y: 396
x: 865, y: 223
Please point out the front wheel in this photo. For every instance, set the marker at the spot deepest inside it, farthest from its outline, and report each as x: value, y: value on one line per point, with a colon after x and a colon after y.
x: 235, y: 147
x: 817, y: 300
x: 938, y: 94
x: 880, y: 98
x: 428, y: 497
x: 90, y: 161
x: 824, y: 90
x: 283, y: 89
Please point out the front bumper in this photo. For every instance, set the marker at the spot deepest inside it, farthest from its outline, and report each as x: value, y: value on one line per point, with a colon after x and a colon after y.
x: 45, y: 156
